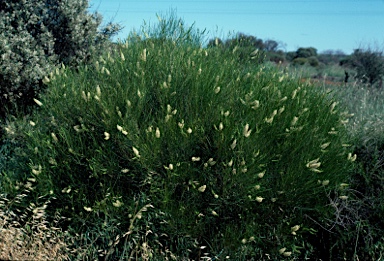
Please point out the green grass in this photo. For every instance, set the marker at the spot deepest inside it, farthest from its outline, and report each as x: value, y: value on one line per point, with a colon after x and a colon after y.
x: 167, y: 150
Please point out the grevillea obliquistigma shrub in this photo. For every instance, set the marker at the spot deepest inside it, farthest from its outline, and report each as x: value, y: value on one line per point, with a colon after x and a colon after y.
x: 36, y: 36
x: 222, y: 159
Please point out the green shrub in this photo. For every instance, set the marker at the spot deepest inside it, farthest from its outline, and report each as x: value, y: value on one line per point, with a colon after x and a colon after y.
x: 215, y: 157
x: 299, y: 61
x: 36, y: 36
x: 313, y: 61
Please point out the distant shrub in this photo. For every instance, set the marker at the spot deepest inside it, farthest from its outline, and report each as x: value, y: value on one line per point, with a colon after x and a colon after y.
x: 368, y: 63
x: 306, y: 52
x: 313, y: 61
x: 187, y: 153
x: 36, y: 36
x: 299, y: 61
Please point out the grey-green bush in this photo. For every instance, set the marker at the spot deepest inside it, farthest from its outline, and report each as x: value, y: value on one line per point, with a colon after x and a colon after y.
x: 36, y: 36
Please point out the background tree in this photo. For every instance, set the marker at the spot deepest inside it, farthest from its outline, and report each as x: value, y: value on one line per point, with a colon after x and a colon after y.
x: 303, y: 56
x: 368, y: 63
x: 271, y: 45
x: 306, y: 52
x: 331, y: 56
x: 36, y: 36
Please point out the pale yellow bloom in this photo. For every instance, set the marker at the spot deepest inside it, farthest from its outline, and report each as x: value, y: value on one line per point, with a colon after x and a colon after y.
x: 117, y: 203
x: 189, y: 130
x: 287, y: 254
x: 46, y: 80
x: 55, y: 139
x: 136, y: 151
x: 211, y: 162
x: 257, y: 187
x: 230, y: 163
x: 125, y: 170
x: 119, y: 128
x: 217, y: 89
x: 325, y: 182
x: 270, y: 119
x: 282, y: 250
x: 88, y: 209
x: 294, y: 94
x: 333, y: 105
x: 38, y: 102
x: 144, y: 55
x: 259, y: 199
x: 214, y: 213
x: 352, y: 158
x: 66, y: 190
x: 202, y: 188
x: 52, y: 161
x: 294, y: 121
x: 261, y: 174
x: 344, y: 185
x: 295, y: 228
x: 325, y: 145
x: 233, y: 145
x: 32, y: 123
x: 332, y: 131
x: 255, y: 104
x: 246, y: 131
x: 314, y: 164
x: 37, y: 171
x: 343, y: 197
x: 195, y: 158
x: 107, y: 136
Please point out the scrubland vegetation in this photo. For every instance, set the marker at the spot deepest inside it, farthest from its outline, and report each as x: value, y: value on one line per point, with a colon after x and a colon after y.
x: 162, y: 148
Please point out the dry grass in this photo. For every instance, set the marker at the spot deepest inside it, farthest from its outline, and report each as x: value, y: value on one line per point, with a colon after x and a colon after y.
x: 29, y: 236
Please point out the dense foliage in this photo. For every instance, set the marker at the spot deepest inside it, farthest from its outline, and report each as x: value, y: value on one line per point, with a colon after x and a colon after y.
x: 36, y: 36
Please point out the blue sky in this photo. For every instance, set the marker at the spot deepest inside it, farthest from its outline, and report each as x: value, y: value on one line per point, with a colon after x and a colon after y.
x: 337, y: 25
